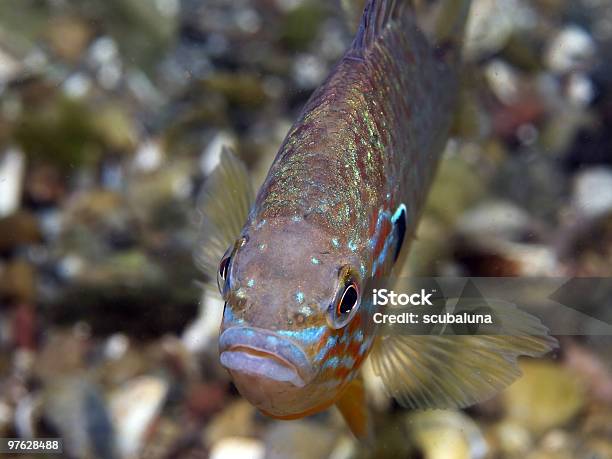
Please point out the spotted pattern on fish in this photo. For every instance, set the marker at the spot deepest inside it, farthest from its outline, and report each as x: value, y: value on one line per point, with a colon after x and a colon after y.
x: 362, y: 153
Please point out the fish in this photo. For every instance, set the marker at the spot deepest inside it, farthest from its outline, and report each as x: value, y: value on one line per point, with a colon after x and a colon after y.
x: 338, y: 208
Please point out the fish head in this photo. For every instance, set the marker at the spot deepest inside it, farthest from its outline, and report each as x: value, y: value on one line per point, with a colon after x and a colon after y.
x: 293, y: 332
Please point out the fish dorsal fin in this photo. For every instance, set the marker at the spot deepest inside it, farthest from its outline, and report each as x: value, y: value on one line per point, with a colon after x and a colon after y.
x: 224, y: 206
x: 452, y: 371
x: 376, y: 16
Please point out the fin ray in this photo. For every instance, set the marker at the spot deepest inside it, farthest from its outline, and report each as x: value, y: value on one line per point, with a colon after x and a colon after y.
x: 223, y: 207
x: 376, y: 16
x: 455, y: 371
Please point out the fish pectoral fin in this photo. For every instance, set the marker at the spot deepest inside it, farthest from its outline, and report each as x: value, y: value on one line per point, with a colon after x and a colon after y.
x: 455, y: 371
x: 352, y: 404
x: 223, y: 206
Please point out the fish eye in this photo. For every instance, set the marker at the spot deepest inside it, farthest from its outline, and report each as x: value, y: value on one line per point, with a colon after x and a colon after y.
x: 223, y: 273
x: 347, y: 299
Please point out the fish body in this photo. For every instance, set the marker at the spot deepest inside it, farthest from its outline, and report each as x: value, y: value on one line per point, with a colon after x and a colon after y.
x: 340, y: 200
x: 366, y: 145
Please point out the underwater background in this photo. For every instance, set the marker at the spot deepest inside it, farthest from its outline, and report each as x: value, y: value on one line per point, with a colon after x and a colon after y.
x: 113, y: 114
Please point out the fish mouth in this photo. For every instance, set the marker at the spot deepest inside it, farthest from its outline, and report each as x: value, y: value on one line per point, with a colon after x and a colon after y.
x: 259, y: 352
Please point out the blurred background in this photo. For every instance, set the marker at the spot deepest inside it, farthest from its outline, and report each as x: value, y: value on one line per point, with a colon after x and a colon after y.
x: 112, y: 116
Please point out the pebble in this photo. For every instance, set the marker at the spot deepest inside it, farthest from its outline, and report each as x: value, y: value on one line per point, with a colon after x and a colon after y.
x: 592, y: 196
x: 149, y: 156
x: 295, y: 440
x: 63, y: 354
x: 76, y: 408
x: 545, y: 397
x: 490, y: 25
x: 206, y: 399
x: 571, y: 49
x: 514, y: 439
x: 9, y: 68
x: 443, y: 434
x: 12, y: 168
x: 6, y: 417
x: 503, y: 80
x: 236, y: 420
x: 238, y: 447
x: 68, y: 36
x: 134, y: 407
x: 18, y: 281
x: 202, y: 333
x: 495, y: 218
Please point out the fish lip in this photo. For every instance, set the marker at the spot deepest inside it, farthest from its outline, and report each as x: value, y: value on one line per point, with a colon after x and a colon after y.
x: 250, y: 343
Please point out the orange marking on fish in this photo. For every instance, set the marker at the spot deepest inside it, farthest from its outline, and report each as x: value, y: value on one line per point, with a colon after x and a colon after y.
x: 385, y: 230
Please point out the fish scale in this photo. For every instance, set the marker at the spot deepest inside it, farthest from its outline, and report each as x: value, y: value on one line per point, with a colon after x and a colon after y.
x: 357, y: 126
